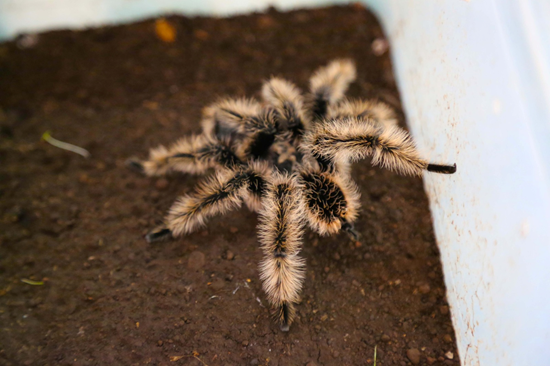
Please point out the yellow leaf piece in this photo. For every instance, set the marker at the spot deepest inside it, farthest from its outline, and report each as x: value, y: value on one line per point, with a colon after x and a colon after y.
x: 31, y: 282
x: 165, y: 31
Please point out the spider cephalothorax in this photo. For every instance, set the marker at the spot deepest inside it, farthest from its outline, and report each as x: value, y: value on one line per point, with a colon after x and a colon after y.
x: 287, y: 158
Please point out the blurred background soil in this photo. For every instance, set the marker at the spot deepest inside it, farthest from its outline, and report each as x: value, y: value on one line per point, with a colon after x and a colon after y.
x: 76, y: 225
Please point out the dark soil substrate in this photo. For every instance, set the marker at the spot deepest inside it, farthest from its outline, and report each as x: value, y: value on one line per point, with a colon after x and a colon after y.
x: 108, y: 297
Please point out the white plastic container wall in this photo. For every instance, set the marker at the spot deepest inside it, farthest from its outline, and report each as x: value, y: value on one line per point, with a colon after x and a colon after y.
x: 474, y: 77
x: 475, y: 82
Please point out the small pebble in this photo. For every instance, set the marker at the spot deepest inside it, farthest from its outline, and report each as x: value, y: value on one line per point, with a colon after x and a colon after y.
x: 424, y: 288
x: 413, y: 355
x: 385, y: 338
x: 447, y: 338
x: 356, y: 283
x: 324, y: 317
x: 449, y: 355
x: 229, y: 255
x: 431, y: 360
x: 234, y: 229
x: 244, y: 343
x: 265, y: 21
x: 218, y: 284
x: 336, y: 256
x: 201, y: 35
x: 160, y: 343
x: 161, y: 184
x: 26, y: 41
x: 196, y: 261
x: 255, y: 362
x: 444, y: 309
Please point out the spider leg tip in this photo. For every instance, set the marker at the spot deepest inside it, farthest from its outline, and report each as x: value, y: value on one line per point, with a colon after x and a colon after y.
x: 443, y: 169
x: 158, y: 235
x: 285, y: 327
x: 135, y: 165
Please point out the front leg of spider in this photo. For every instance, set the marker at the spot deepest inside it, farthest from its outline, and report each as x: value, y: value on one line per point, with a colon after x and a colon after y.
x: 339, y: 142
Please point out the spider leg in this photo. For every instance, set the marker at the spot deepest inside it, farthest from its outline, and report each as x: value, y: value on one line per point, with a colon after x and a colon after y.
x: 349, y: 139
x: 258, y: 175
x: 217, y: 195
x: 221, y: 193
x: 286, y: 99
x: 280, y: 229
x: 191, y: 154
x: 260, y: 131
x: 226, y: 117
x: 371, y: 110
x: 328, y: 85
x: 160, y: 233
x: 330, y: 201
x: 243, y: 119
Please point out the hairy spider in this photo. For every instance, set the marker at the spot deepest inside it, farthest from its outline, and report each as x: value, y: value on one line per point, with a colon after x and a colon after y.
x: 287, y: 158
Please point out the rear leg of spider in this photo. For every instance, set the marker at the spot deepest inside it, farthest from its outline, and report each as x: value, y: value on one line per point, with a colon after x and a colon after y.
x: 340, y: 142
x: 280, y: 230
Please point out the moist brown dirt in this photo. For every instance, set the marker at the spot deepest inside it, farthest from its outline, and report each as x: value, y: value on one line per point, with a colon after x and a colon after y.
x: 108, y: 297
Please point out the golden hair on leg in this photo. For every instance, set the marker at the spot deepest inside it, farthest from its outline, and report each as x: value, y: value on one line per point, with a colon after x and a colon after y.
x: 286, y: 99
x: 258, y: 175
x: 280, y: 230
x: 329, y: 84
x: 216, y: 196
x: 329, y: 200
x: 369, y: 110
x: 350, y: 139
x: 192, y: 154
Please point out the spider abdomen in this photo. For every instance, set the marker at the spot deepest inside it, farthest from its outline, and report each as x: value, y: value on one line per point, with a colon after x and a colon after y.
x: 328, y: 202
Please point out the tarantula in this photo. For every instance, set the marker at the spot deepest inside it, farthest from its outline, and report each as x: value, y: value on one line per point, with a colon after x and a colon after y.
x: 287, y: 158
